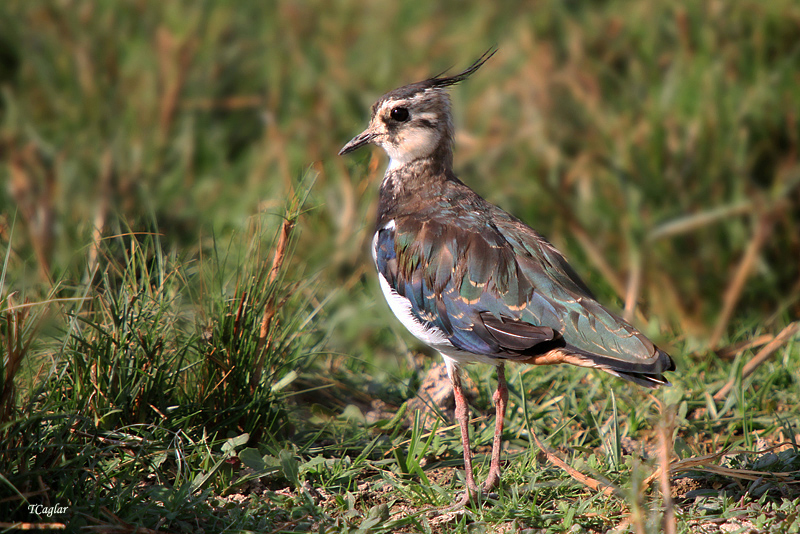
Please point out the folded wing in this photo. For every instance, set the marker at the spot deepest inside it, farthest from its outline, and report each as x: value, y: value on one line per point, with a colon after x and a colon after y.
x: 503, y: 291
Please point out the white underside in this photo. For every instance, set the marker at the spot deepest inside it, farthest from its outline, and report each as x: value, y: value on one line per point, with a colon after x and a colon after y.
x: 430, y: 335
x: 401, y: 307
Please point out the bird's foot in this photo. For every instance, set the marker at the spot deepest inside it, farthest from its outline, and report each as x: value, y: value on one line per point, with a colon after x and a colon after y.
x: 492, y: 481
x: 471, y: 495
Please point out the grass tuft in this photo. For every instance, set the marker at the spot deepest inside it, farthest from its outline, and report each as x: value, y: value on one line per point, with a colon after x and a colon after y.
x: 193, y: 340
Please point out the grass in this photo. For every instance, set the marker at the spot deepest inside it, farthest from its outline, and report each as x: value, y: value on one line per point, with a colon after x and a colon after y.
x: 192, y: 334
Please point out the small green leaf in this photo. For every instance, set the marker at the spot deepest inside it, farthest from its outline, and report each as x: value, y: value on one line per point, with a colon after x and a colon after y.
x: 353, y: 413
x: 231, y: 444
x: 290, y: 467
x: 252, y: 459
x: 376, y: 515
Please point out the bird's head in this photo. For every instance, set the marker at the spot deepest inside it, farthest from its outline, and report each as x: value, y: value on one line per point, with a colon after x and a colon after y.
x: 414, y: 122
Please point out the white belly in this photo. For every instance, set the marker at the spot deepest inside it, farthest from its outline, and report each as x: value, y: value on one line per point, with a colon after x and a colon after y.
x: 432, y: 336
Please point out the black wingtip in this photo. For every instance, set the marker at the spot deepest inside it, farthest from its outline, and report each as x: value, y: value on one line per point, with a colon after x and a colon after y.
x: 651, y: 381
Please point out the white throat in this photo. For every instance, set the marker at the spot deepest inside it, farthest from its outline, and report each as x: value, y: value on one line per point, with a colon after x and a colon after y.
x: 414, y: 144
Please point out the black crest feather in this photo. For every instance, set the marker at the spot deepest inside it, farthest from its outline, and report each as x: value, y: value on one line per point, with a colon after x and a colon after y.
x: 446, y: 81
x: 436, y: 82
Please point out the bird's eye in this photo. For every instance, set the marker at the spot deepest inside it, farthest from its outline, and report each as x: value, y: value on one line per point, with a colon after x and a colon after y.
x: 400, y: 114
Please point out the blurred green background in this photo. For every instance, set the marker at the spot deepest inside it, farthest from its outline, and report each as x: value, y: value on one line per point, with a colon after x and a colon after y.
x: 649, y: 140
x: 655, y: 142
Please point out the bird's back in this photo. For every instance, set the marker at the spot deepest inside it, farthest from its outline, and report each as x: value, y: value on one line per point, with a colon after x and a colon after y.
x: 466, y: 277
x: 495, y: 287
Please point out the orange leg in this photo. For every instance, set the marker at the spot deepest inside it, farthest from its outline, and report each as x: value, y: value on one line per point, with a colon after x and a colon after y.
x: 462, y: 416
x: 500, y: 400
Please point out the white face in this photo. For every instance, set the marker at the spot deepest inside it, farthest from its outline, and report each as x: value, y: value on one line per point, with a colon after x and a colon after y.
x: 409, y: 129
x: 423, y: 125
x: 407, y: 141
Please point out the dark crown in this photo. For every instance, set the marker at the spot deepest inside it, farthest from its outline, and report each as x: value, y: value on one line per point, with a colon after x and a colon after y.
x: 438, y: 81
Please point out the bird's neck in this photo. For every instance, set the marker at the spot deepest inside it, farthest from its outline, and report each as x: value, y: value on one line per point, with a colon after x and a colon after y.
x: 419, y: 177
x: 408, y: 173
x: 406, y: 185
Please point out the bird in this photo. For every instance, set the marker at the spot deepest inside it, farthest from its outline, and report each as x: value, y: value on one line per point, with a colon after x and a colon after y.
x: 472, y: 281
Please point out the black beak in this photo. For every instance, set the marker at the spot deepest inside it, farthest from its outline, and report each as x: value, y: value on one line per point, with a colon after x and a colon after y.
x: 358, y: 141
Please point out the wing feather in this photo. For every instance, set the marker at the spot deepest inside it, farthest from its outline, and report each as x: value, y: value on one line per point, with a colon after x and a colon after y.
x: 497, y: 288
